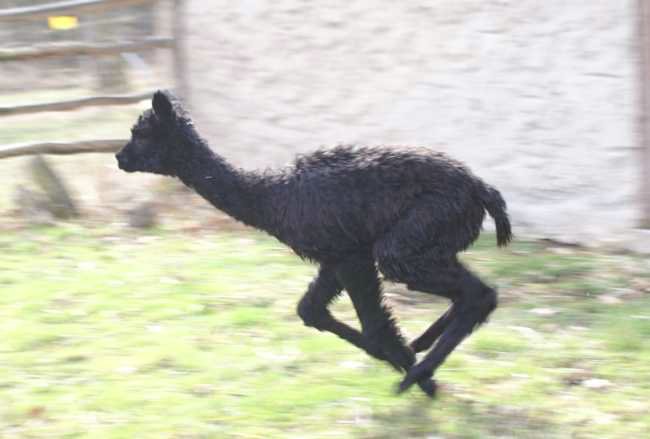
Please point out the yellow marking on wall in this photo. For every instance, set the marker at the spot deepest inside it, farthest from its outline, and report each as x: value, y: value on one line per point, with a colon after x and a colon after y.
x: 62, y: 22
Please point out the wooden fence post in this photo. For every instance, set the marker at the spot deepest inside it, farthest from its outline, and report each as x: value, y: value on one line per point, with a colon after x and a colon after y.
x: 180, y: 58
x: 644, y: 108
x: 59, y: 200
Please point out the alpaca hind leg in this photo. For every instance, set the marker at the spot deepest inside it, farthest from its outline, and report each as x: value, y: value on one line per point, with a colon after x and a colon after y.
x: 359, y: 278
x: 429, y: 337
x: 474, y: 305
x: 440, y: 286
x: 420, y: 251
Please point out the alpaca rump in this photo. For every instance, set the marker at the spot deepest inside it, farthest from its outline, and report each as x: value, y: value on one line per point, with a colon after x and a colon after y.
x: 356, y: 212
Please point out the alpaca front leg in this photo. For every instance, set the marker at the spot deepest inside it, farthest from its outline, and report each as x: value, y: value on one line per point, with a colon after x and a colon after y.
x: 380, y: 331
x: 313, y: 311
x: 361, y: 281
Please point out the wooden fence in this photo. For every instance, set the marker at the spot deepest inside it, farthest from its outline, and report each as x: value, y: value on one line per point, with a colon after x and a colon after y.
x: 86, y: 49
x: 65, y: 7
x: 74, y: 49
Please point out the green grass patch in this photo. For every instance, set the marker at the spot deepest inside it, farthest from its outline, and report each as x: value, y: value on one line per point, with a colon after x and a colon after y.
x: 175, y: 336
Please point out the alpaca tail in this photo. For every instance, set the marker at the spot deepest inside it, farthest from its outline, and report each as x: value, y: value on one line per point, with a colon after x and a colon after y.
x: 494, y: 203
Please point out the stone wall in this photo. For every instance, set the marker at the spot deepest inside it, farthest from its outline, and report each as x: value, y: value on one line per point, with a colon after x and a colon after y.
x: 538, y: 97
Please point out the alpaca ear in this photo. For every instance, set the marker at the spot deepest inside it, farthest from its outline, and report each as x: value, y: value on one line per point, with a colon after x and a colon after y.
x: 162, y: 106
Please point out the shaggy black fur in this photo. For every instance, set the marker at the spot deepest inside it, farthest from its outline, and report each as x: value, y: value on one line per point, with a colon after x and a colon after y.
x: 354, y: 211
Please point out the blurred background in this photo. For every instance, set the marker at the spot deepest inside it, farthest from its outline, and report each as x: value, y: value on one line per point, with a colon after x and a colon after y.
x: 131, y: 308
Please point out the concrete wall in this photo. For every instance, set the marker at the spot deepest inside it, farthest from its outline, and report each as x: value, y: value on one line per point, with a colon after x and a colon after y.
x: 538, y: 97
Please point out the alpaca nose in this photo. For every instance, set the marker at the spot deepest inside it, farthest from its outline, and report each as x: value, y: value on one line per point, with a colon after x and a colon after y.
x: 121, y: 160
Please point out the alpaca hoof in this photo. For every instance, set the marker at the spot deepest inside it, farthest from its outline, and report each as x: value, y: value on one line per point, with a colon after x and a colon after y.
x: 429, y: 387
x: 413, y: 376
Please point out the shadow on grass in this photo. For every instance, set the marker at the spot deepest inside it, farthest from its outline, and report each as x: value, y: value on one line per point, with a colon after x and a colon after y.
x: 452, y: 417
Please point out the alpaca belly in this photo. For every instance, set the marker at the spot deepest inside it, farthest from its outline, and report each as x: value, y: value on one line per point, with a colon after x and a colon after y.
x: 330, y: 254
x: 325, y: 245
x: 332, y: 222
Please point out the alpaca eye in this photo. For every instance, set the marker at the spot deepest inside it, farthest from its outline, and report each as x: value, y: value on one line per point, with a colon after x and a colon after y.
x: 141, y: 132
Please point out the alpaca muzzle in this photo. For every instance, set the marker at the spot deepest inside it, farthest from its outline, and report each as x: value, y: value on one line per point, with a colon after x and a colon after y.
x: 123, y: 162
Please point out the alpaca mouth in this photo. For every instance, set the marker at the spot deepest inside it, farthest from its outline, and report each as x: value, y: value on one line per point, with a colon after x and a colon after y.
x: 124, y: 164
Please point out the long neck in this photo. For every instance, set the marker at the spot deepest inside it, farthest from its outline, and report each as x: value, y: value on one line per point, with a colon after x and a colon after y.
x: 237, y: 193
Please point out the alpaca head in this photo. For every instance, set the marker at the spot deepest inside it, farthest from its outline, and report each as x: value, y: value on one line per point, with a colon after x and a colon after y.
x: 151, y: 146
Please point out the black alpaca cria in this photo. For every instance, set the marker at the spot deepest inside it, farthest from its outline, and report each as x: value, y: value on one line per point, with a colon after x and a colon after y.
x: 356, y: 212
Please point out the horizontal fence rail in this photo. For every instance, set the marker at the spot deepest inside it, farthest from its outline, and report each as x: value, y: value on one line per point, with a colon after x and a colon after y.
x: 74, y: 49
x: 63, y: 49
x: 63, y: 148
x: 74, y: 104
x: 65, y: 7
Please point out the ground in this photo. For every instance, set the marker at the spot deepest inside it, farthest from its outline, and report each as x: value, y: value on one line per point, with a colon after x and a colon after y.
x: 176, y: 333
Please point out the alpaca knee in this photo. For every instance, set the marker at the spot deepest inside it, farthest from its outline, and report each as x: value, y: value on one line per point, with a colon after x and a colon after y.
x: 476, y: 298
x: 486, y: 305
x: 310, y: 315
x: 491, y: 300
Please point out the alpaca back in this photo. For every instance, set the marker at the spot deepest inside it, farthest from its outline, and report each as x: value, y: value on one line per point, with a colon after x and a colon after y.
x: 339, y: 201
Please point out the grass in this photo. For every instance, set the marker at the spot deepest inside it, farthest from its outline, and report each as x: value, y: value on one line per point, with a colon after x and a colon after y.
x: 109, y: 334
